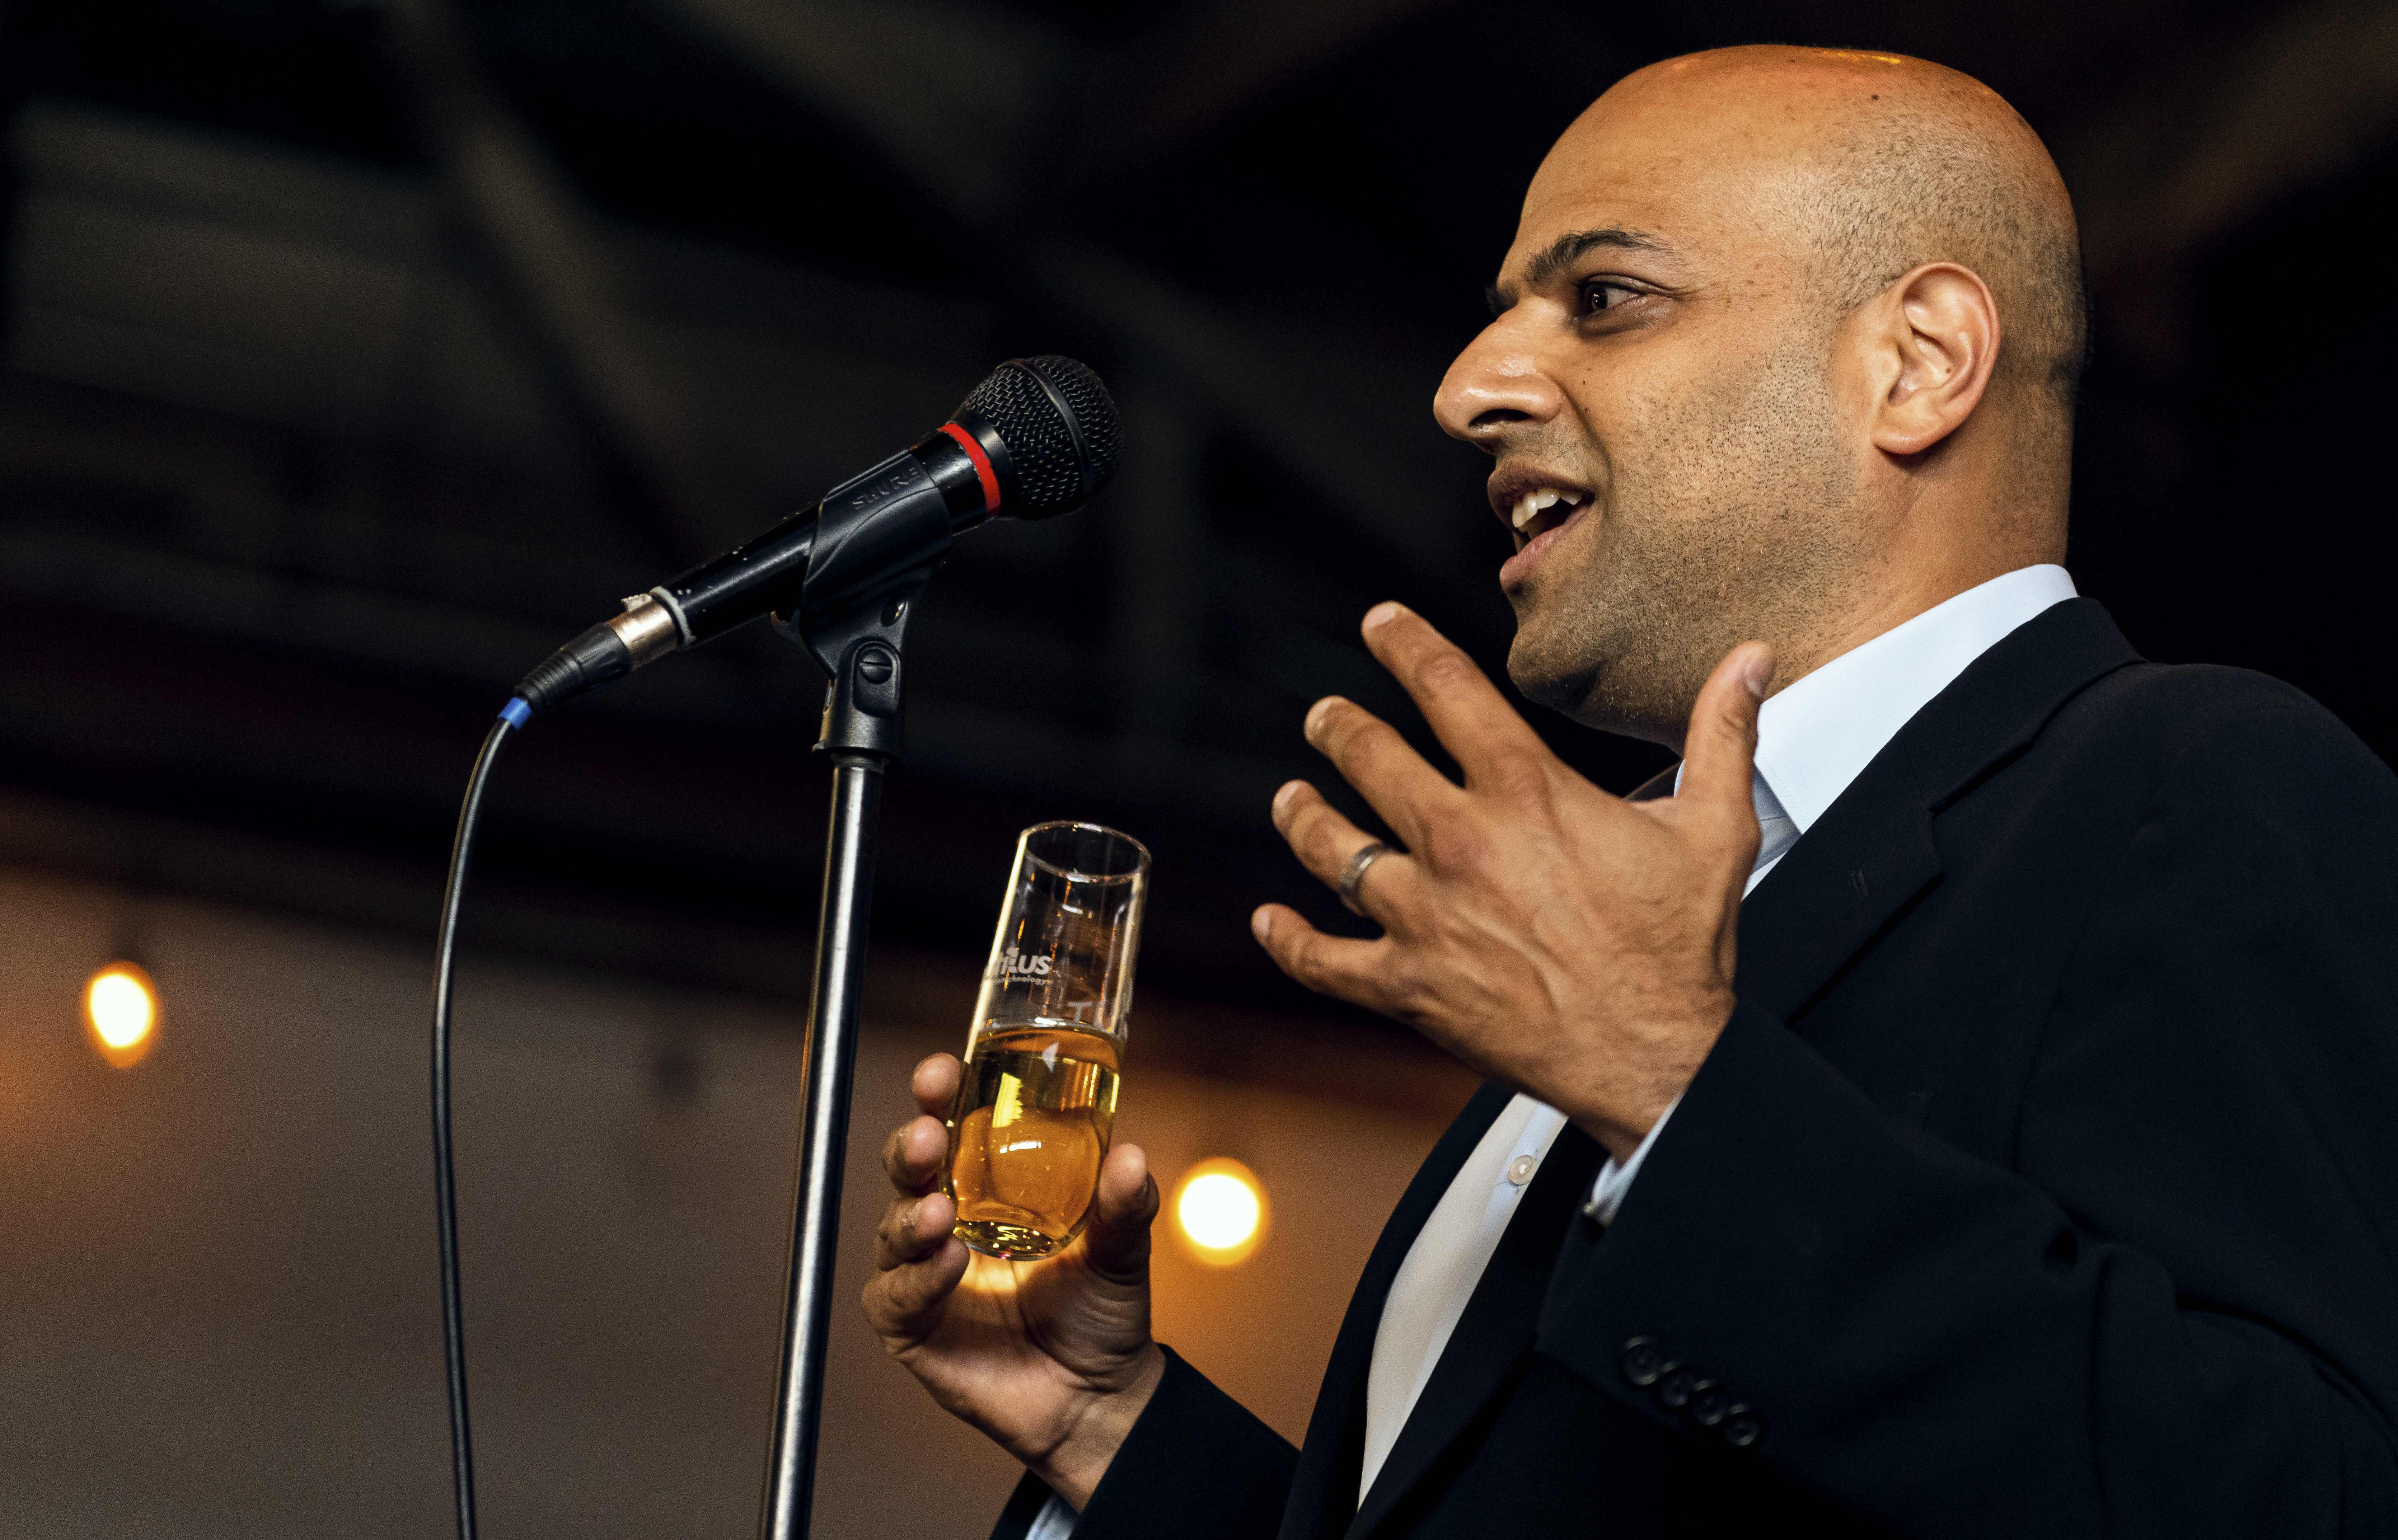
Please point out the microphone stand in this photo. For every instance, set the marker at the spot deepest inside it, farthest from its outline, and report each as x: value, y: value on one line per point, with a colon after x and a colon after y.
x: 859, y: 648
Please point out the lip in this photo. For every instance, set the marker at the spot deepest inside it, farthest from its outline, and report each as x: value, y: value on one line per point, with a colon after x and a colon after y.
x: 1516, y: 569
x: 1506, y: 487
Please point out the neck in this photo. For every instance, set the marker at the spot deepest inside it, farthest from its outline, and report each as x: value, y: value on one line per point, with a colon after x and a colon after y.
x: 1899, y: 598
x: 1950, y: 526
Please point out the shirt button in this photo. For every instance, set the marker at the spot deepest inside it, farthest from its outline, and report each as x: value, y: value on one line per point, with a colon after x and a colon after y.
x: 1520, y: 1170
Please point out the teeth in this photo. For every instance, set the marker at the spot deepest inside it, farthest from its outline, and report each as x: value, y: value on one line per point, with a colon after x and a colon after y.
x: 1537, y: 502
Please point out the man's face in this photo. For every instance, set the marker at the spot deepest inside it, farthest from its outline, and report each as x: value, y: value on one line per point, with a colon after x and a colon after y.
x: 1659, y: 364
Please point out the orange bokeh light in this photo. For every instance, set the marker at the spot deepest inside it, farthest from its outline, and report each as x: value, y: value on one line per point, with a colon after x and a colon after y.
x: 120, y: 1013
x: 1219, y: 1211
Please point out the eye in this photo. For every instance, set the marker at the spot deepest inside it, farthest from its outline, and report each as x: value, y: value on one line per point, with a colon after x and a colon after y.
x: 1597, y: 296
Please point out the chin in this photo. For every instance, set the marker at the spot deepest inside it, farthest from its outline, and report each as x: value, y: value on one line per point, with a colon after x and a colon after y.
x: 1545, y: 679
x: 1597, y: 692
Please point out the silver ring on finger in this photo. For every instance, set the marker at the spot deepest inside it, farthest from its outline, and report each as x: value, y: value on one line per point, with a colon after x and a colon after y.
x: 1355, y: 873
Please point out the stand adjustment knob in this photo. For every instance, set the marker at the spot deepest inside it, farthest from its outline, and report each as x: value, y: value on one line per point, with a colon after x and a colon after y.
x: 877, y: 686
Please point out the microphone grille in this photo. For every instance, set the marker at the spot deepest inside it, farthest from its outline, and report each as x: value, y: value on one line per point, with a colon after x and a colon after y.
x: 1060, y: 427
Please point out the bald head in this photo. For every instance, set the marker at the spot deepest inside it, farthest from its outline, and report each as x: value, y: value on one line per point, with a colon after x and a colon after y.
x: 1792, y: 334
x: 1888, y: 163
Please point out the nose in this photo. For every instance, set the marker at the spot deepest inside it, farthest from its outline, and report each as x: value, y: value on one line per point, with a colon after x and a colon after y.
x: 1496, y: 383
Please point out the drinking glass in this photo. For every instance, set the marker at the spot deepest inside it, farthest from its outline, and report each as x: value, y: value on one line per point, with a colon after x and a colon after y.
x: 1037, y: 1106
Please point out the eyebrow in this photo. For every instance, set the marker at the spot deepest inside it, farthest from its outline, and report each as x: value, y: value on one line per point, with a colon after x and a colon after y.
x: 1563, y: 253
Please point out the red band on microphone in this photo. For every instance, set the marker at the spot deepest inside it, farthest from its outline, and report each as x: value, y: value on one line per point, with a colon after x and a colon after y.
x: 967, y: 442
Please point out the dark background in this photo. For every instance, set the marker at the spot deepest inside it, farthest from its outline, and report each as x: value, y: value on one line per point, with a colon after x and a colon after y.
x: 353, y: 355
x: 357, y: 353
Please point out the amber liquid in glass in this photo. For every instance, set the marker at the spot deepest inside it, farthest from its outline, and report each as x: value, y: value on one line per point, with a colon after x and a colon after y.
x: 1033, y: 1121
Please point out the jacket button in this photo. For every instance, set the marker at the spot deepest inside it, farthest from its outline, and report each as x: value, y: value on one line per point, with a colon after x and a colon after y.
x: 1675, y: 1390
x: 1743, y: 1427
x: 1710, y: 1403
x: 1643, y: 1362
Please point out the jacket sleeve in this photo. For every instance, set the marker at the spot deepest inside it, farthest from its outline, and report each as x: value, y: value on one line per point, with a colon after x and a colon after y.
x: 2175, y: 1316
x: 1197, y: 1466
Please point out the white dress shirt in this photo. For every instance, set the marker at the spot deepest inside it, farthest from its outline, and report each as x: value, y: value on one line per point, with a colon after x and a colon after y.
x: 1813, y: 739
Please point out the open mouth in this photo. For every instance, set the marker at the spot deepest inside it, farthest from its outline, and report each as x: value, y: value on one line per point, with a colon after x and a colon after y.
x: 1538, y: 510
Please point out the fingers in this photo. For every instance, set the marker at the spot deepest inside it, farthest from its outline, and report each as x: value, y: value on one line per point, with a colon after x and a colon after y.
x: 913, y: 1155
x: 904, y: 1300
x: 1117, y: 1237
x: 915, y: 1152
x: 1347, y: 970
x: 935, y: 1083
x: 1326, y: 842
x: 1464, y: 708
x: 1371, y: 757
x: 917, y: 1260
x: 913, y: 1229
x: 1719, y: 751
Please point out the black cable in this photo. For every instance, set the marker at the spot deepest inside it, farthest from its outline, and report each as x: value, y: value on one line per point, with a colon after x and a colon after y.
x: 445, y: 1186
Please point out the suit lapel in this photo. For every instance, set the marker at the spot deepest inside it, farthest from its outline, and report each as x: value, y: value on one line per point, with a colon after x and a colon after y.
x: 1865, y: 857
x: 1872, y: 851
x: 1496, y: 1328
x: 1323, y: 1489
x: 1850, y: 876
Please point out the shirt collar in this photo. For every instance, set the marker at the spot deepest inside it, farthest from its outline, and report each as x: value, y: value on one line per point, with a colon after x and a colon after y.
x: 1821, y: 731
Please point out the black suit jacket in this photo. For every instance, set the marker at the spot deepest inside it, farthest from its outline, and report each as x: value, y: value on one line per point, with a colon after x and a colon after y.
x: 2044, y: 1183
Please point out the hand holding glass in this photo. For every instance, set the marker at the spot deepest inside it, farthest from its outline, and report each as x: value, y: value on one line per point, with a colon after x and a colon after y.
x: 1037, y: 1105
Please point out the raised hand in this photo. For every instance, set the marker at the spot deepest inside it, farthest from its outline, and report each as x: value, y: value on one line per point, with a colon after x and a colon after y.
x: 1052, y: 1358
x: 1569, y: 943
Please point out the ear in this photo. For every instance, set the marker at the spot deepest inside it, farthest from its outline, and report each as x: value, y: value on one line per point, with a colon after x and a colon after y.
x: 1933, y: 351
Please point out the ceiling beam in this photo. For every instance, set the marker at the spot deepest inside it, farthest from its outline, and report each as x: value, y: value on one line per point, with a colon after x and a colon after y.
x: 1355, y: 426
x: 1205, y: 68
x: 552, y: 262
x: 957, y: 98
x: 1347, y: 421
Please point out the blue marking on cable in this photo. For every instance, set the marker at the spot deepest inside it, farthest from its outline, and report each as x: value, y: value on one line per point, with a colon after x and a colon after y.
x: 515, y: 714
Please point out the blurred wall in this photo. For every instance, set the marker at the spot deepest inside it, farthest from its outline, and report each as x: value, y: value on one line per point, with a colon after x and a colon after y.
x: 218, y: 1312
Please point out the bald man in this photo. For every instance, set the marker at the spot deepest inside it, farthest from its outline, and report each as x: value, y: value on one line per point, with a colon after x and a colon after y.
x: 1956, y: 1102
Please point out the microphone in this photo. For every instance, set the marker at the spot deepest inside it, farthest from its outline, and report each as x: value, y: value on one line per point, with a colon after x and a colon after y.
x: 1035, y: 439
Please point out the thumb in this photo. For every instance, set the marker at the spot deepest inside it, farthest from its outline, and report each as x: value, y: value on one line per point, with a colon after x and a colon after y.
x: 1720, y: 751
x: 1121, y: 1212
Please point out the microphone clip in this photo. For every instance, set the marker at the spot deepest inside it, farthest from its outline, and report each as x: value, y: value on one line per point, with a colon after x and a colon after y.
x: 878, y: 540
x: 861, y: 651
